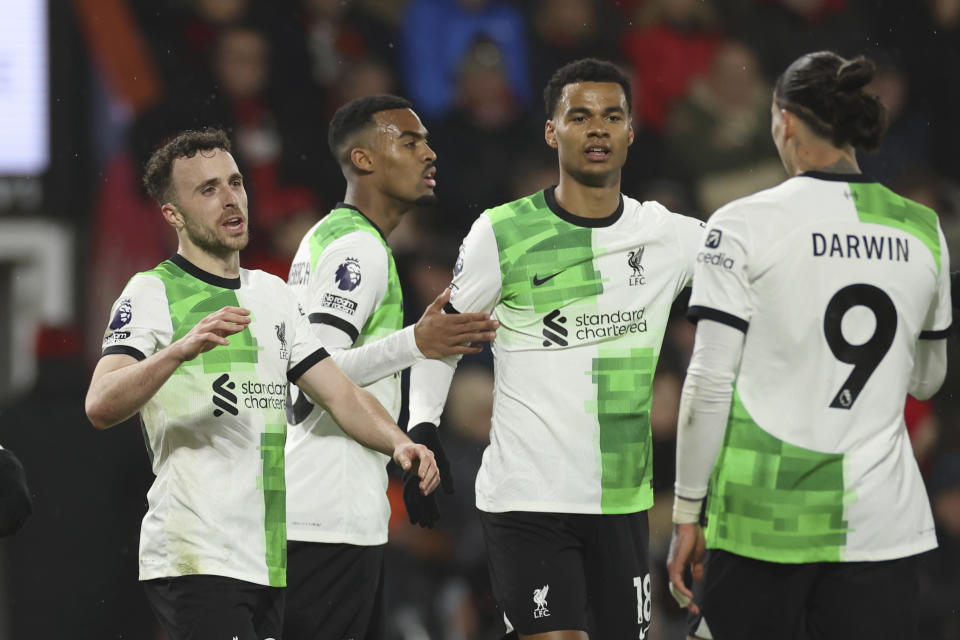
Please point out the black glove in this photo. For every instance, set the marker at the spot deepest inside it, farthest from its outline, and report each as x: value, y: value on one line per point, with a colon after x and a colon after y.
x: 15, y: 504
x: 423, y: 510
x: 426, y: 434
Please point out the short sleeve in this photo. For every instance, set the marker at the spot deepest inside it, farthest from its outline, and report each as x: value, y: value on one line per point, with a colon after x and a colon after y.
x: 721, y: 286
x: 940, y: 315
x: 139, y: 320
x: 476, y: 282
x: 690, y: 234
x: 347, y: 283
x: 306, y: 349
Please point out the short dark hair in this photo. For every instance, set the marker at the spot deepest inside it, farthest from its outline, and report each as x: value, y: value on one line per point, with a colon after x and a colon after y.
x: 157, y: 175
x: 356, y: 115
x: 584, y: 70
x: 826, y: 92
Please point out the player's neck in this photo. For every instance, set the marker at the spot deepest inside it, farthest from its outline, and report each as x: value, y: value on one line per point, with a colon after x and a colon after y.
x: 825, y: 158
x: 587, y: 201
x: 227, y: 266
x: 381, y: 210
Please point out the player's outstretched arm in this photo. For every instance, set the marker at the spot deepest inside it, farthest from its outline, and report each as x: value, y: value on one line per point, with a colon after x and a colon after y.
x: 452, y: 334
x: 121, y: 384
x: 435, y: 335
x: 365, y: 420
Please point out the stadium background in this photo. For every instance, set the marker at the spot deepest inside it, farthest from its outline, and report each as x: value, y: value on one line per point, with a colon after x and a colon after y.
x: 123, y: 74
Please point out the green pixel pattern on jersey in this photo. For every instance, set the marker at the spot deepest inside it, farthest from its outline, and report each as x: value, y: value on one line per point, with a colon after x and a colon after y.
x: 386, y: 318
x: 624, y: 381
x: 273, y: 485
x: 879, y: 205
x: 190, y: 300
x: 535, y: 245
x: 774, y: 501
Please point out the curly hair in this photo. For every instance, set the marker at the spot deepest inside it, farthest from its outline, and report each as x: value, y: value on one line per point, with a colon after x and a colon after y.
x: 157, y: 176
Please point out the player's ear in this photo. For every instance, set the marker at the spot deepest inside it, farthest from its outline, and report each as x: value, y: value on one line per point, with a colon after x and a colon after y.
x: 550, y: 134
x: 172, y: 215
x: 790, y: 123
x: 630, y: 131
x: 361, y: 159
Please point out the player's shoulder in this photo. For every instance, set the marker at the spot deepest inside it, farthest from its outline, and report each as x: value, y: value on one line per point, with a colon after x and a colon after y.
x: 650, y: 208
x: 342, y: 220
x: 152, y: 281
x: 656, y: 214
x: 762, y: 203
x: 535, y: 203
x: 262, y: 280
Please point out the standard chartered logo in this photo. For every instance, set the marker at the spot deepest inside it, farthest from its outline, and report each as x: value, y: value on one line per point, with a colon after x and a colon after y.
x: 553, y: 329
x: 252, y: 395
x: 592, y: 326
x: 223, y: 397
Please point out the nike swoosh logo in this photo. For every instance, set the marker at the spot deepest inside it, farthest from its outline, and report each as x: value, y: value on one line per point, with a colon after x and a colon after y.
x: 537, y: 281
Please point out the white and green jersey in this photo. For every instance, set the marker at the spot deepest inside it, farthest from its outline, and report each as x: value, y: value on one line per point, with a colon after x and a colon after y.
x: 834, y: 279
x: 215, y: 430
x: 583, y: 306
x: 345, y: 278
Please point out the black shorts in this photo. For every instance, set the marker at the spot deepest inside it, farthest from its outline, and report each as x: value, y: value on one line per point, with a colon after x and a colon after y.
x: 747, y: 598
x: 556, y: 571
x: 334, y: 592
x: 205, y: 607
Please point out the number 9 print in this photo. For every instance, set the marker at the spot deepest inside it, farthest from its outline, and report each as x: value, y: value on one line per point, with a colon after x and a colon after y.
x: 865, y: 357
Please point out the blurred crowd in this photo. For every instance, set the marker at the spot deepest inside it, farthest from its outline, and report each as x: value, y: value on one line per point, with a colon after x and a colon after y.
x: 272, y: 73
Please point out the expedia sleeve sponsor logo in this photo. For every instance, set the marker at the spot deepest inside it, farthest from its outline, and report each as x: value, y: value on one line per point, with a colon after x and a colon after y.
x: 715, y: 259
x: 713, y: 238
x: 458, y: 265
x: 332, y: 301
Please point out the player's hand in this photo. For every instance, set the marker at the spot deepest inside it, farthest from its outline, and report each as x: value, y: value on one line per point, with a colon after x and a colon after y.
x: 686, y: 547
x: 441, y: 334
x: 418, y: 461
x: 417, y: 490
x: 211, y: 332
x: 426, y: 434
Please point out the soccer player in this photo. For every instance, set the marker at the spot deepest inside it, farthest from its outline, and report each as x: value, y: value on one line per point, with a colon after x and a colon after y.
x: 581, y: 279
x: 821, y: 303
x: 346, y: 281
x: 204, y: 349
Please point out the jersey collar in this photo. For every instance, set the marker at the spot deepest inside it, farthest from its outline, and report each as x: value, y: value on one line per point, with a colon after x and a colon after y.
x: 344, y: 205
x: 838, y: 177
x: 580, y: 221
x: 205, y: 276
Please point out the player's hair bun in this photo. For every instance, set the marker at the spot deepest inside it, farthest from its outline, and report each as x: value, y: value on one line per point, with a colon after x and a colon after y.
x: 826, y: 92
x: 855, y: 74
